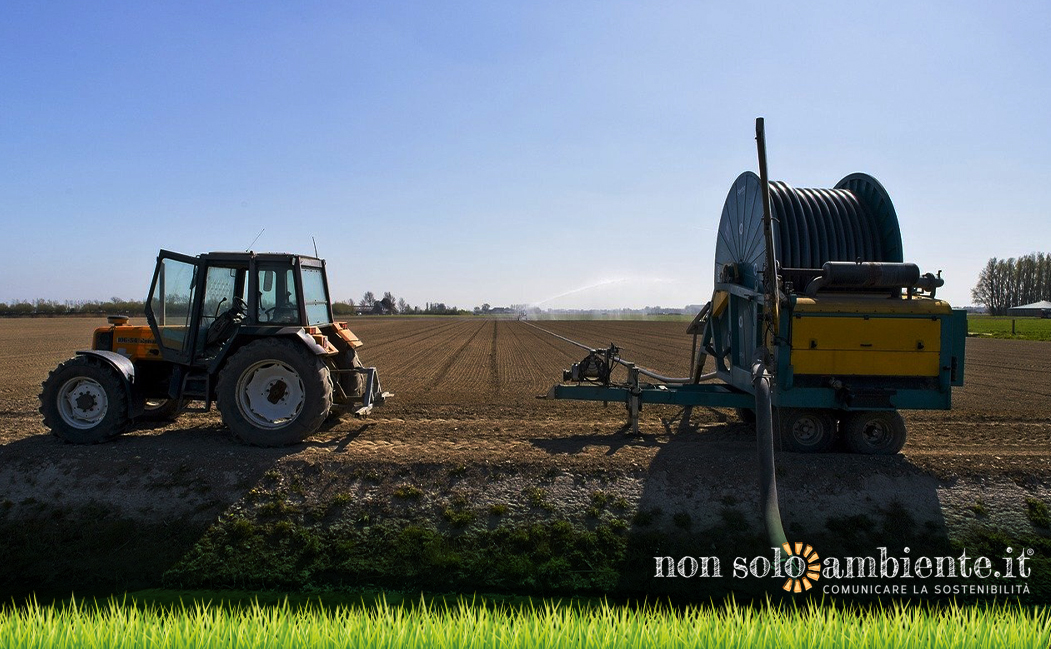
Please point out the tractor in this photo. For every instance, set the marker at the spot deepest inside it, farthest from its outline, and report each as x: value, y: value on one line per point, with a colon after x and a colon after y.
x: 251, y: 332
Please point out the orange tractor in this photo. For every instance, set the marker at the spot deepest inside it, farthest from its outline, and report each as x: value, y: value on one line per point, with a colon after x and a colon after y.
x: 253, y: 333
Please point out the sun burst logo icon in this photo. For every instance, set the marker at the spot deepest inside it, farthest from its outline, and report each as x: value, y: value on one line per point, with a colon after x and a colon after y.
x: 801, y: 566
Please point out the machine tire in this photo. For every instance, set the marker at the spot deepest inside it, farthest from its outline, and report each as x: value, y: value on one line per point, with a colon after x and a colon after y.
x: 806, y: 430
x: 746, y: 415
x: 161, y: 410
x: 84, y: 401
x: 874, y: 432
x: 291, y: 385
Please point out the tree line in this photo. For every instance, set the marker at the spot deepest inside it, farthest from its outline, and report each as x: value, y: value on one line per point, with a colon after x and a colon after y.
x: 389, y: 305
x: 1006, y: 283
x: 115, y: 306
x: 369, y: 304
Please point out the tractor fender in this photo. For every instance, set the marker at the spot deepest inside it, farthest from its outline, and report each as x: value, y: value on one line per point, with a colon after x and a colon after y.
x: 301, y: 333
x: 126, y: 369
x: 120, y: 363
x: 248, y: 334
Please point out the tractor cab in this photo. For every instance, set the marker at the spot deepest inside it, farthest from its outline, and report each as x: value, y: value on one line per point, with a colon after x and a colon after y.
x: 197, y: 304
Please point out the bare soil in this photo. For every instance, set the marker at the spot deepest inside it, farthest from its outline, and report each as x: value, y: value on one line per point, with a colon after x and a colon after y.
x: 467, y: 388
x: 466, y: 405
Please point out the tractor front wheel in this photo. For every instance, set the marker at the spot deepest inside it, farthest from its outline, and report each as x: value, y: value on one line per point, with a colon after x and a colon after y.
x: 274, y: 392
x: 84, y: 401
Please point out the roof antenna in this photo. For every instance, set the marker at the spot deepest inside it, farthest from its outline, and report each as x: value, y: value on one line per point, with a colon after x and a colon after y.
x: 315, y: 247
x: 249, y: 248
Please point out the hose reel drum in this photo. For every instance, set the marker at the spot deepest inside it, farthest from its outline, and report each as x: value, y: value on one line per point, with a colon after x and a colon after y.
x: 818, y: 233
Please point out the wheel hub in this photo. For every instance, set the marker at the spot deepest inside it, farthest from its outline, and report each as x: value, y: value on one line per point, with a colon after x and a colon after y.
x: 82, y: 402
x: 270, y: 394
x: 276, y: 391
x: 876, y: 433
x: 805, y: 429
x: 86, y: 402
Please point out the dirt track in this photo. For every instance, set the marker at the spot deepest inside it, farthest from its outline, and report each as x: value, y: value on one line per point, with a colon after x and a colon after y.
x: 466, y: 391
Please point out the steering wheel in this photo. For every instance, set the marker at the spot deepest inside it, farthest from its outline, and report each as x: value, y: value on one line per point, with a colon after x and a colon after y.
x: 282, y: 313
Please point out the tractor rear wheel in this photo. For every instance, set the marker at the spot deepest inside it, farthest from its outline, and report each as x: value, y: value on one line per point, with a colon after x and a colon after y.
x: 806, y: 430
x: 274, y: 392
x: 874, y: 432
x: 84, y: 401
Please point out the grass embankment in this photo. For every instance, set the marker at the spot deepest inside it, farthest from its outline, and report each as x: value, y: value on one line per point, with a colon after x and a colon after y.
x: 1001, y: 327
x: 474, y: 624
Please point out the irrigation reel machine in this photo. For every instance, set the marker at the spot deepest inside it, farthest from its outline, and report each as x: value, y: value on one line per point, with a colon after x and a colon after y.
x: 816, y: 327
x: 813, y: 299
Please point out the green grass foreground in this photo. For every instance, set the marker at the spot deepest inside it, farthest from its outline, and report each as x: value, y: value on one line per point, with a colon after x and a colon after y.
x: 116, y: 624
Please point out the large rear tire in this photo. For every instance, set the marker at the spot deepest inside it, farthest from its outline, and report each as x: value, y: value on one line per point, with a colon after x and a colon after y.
x: 84, y: 401
x: 274, y: 392
x: 874, y: 432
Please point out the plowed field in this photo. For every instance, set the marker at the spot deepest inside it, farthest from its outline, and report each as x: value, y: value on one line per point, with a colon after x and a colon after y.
x: 466, y: 390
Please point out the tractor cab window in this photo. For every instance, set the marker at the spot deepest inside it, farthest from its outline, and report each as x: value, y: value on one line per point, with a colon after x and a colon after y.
x: 277, y: 295
x: 314, y: 296
x: 223, y: 307
x: 172, y: 302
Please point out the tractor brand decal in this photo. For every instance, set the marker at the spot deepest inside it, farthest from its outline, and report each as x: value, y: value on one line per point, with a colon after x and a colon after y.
x: 136, y: 341
x: 797, y: 568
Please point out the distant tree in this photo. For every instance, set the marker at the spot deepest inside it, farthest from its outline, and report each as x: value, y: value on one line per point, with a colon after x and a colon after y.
x: 486, y: 307
x: 403, y: 306
x: 1006, y: 283
x: 367, y: 301
x: 344, y: 308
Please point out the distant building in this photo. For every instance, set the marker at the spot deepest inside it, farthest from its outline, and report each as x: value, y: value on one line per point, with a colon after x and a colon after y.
x: 1036, y: 309
x: 383, y: 307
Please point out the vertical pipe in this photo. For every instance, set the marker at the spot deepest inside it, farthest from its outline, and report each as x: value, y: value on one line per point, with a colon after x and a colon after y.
x: 764, y: 430
x: 763, y: 364
x: 773, y: 299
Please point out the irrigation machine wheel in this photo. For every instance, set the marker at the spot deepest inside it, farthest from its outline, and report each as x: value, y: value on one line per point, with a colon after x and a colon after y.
x: 806, y: 430
x: 746, y: 415
x: 874, y: 432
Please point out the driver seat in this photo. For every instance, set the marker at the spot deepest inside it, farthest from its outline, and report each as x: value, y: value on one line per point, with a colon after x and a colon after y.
x: 226, y: 323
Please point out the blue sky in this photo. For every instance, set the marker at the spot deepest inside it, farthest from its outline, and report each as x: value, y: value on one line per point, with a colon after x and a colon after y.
x: 504, y: 152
